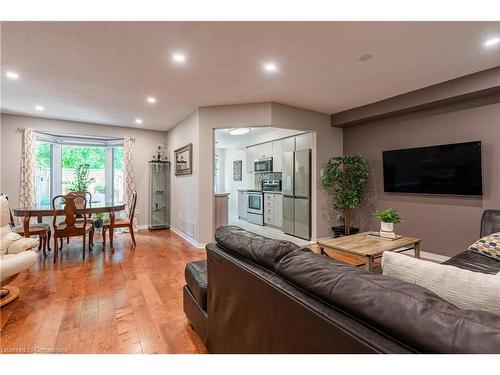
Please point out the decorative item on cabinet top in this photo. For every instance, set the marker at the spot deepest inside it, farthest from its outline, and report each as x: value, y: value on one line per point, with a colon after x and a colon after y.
x: 161, y: 153
x: 183, y: 160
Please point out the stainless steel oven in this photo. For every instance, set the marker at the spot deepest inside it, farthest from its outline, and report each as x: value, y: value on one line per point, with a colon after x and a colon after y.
x: 263, y: 165
x: 255, y: 210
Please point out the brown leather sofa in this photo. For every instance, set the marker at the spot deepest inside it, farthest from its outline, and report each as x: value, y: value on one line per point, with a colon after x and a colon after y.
x: 268, y: 296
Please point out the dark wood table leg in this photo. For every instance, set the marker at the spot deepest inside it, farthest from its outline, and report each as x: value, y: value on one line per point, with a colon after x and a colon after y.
x: 26, y: 224
x: 111, y: 229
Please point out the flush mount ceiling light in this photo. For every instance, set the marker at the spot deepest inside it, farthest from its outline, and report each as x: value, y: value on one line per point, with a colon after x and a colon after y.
x: 179, y: 58
x: 238, y: 131
x: 151, y: 99
x: 39, y: 108
x: 365, y: 57
x: 270, y: 67
x: 11, y: 75
x: 492, y: 42
x: 138, y: 121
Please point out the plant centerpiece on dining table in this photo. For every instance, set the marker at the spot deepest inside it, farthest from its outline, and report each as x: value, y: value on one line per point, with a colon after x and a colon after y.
x: 345, y: 177
x: 388, y: 218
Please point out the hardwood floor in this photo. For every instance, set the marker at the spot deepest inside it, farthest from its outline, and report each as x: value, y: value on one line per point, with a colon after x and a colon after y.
x: 129, y: 301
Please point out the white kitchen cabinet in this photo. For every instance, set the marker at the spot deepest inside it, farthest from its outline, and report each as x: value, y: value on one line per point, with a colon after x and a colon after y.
x: 273, y: 209
x: 242, y: 204
x: 251, y: 155
x: 278, y: 156
x: 303, y: 142
x: 288, y: 144
x: 264, y: 150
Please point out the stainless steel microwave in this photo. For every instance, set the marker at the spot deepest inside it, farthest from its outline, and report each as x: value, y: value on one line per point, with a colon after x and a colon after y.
x: 263, y: 165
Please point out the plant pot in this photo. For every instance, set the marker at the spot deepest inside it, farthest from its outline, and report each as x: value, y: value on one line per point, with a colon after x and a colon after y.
x: 387, y: 230
x: 339, y: 230
x: 98, y: 223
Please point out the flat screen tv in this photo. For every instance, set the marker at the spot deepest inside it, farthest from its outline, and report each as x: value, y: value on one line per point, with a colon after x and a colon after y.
x: 445, y: 169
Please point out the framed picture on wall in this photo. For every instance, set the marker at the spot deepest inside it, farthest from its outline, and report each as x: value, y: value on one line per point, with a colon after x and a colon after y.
x: 237, y: 168
x: 184, y: 160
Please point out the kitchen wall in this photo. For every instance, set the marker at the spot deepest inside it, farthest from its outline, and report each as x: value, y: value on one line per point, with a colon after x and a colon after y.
x: 144, y: 147
x: 231, y: 186
x: 446, y: 224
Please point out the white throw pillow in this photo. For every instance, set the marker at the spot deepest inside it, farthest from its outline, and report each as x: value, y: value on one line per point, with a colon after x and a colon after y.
x: 21, y: 245
x: 463, y: 288
x: 6, y: 240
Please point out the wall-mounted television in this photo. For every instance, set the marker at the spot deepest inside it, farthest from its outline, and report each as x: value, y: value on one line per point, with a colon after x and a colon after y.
x: 445, y: 169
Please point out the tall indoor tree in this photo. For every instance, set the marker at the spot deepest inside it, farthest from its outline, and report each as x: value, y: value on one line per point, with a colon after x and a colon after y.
x: 345, y: 177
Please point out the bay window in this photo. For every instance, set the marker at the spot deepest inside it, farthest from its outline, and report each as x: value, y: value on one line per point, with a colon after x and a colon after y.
x: 59, y: 159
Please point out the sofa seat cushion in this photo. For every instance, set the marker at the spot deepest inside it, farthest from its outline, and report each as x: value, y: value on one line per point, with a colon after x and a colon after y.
x: 261, y: 250
x: 474, y: 262
x: 196, y: 280
x: 405, y: 311
x: 463, y: 288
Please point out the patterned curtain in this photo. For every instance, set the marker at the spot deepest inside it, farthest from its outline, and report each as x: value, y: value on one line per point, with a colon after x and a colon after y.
x: 129, y: 174
x: 27, y: 186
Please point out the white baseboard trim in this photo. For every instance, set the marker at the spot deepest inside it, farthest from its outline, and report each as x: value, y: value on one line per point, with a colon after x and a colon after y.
x: 189, y: 239
x: 430, y: 256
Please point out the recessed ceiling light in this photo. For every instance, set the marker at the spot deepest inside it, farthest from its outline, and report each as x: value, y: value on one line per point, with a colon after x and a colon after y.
x: 151, y: 99
x: 238, y: 131
x: 270, y: 67
x: 39, y: 108
x: 179, y: 58
x: 138, y: 121
x: 365, y: 57
x: 492, y: 42
x: 11, y: 75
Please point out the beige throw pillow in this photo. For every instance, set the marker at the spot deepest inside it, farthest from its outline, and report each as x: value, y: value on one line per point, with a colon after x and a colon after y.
x: 6, y: 240
x: 463, y: 288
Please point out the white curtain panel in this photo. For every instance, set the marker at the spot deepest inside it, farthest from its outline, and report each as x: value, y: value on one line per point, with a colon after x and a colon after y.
x: 27, y: 185
x: 129, y: 174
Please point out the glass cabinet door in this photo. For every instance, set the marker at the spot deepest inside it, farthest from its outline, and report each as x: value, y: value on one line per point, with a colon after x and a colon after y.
x: 160, y: 195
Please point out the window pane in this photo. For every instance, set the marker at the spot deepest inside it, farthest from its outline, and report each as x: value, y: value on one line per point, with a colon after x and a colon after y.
x: 75, y: 159
x: 118, y: 182
x: 42, y: 173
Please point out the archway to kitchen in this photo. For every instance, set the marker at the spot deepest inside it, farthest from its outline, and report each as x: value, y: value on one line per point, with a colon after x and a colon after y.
x: 262, y: 181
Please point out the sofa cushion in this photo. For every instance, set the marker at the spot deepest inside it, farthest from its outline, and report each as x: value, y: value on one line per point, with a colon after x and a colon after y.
x: 196, y: 280
x: 488, y: 246
x: 261, y: 250
x: 21, y: 245
x: 407, y: 312
x: 12, y: 264
x: 6, y: 240
x: 463, y: 288
x: 474, y: 262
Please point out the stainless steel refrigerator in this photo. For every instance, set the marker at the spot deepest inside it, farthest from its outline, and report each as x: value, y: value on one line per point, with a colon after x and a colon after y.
x: 296, y: 186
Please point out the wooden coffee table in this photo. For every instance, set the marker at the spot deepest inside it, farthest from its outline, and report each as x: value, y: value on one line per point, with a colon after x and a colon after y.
x: 369, y: 247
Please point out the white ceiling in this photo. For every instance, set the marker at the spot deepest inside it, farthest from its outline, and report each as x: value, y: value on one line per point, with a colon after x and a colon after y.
x: 101, y: 72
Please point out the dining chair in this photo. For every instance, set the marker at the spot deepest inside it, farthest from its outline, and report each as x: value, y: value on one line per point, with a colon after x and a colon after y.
x: 42, y: 230
x: 79, y: 217
x: 122, y: 223
x: 71, y: 227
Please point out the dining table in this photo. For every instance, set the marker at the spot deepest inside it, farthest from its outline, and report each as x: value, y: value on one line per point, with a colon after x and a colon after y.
x: 40, y: 210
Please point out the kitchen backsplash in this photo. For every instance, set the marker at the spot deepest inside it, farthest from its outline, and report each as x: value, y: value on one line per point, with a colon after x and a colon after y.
x: 259, y: 177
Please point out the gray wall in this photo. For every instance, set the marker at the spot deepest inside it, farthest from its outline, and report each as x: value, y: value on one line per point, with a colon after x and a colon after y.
x: 446, y: 224
x: 144, y: 147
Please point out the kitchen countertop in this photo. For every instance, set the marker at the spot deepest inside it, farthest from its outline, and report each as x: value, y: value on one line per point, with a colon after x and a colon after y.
x: 221, y: 194
x: 273, y: 192
x: 257, y: 190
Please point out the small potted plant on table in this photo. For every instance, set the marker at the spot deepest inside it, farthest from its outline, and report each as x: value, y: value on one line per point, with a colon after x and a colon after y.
x: 388, y: 218
x: 99, y: 219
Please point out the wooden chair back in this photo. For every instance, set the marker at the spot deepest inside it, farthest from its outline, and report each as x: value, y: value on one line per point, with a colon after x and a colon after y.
x: 79, y: 201
x: 70, y: 208
x: 132, y: 206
